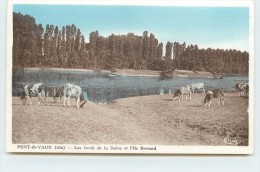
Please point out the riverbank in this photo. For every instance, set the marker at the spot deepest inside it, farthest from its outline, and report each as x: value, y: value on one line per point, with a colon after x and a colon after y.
x: 133, y: 72
x: 146, y: 120
x: 176, y: 73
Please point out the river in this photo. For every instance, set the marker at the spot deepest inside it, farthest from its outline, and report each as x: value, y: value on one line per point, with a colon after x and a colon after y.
x: 102, y: 87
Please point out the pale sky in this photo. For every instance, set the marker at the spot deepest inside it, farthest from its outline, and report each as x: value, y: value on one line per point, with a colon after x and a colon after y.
x: 215, y: 27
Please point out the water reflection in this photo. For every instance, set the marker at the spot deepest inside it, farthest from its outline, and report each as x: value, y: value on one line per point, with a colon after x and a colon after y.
x: 102, y: 87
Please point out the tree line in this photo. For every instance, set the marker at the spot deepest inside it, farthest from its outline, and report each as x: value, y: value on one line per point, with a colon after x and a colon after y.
x: 35, y: 46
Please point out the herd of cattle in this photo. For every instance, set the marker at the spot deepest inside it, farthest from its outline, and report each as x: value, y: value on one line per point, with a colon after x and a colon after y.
x: 67, y: 91
x: 241, y: 88
x: 74, y: 91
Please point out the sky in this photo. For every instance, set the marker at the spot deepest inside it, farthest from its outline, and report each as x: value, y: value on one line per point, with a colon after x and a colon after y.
x: 214, y: 27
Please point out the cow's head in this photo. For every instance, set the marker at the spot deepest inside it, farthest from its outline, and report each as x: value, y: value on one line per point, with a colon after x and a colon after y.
x: 208, y: 97
x: 177, y: 93
x: 29, y: 88
x: 83, y: 99
x: 205, y: 101
x: 40, y: 88
x: 237, y: 87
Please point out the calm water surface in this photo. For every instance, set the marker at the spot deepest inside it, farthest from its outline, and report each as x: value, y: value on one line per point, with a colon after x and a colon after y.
x: 102, y: 88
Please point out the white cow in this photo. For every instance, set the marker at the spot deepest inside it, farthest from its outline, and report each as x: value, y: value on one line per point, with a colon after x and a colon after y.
x: 197, y: 86
x: 31, y: 90
x: 71, y: 90
x: 181, y: 91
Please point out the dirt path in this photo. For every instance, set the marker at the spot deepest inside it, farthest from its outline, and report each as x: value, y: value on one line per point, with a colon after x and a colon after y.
x: 137, y: 120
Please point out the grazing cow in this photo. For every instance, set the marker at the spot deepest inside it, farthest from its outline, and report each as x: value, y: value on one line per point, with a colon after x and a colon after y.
x: 210, y: 95
x: 60, y: 93
x: 55, y: 92
x: 197, y: 86
x: 242, y: 88
x: 33, y: 90
x: 181, y: 91
x: 71, y: 90
x: 51, y: 92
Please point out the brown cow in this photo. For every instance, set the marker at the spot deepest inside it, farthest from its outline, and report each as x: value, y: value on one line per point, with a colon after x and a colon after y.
x: 242, y: 88
x: 55, y: 92
x: 210, y: 95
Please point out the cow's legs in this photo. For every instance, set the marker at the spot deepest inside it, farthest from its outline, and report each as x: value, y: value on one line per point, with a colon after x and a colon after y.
x: 68, y: 101
x: 39, y: 100
x: 44, y: 94
x: 64, y: 101
x: 23, y: 101
x: 209, y: 103
x: 45, y: 100
x: 223, y: 101
x: 30, y: 101
x: 78, y: 99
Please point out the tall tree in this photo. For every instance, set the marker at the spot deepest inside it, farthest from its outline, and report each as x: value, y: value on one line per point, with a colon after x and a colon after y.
x: 33, y: 47
x: 168, y: 56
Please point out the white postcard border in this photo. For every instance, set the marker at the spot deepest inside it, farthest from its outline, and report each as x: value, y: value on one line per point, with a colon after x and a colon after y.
x: 129, y: 149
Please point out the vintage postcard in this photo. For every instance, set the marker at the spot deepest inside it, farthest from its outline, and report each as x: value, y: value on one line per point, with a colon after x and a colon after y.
x: 130, y: 77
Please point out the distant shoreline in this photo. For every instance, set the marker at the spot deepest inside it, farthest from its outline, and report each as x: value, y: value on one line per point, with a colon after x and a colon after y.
x: 137, y: 73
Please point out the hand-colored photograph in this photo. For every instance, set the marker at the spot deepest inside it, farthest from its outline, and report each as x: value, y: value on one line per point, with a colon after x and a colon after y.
x: 130, y: 75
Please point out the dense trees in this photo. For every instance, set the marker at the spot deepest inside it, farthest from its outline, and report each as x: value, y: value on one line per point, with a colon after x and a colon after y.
x: 34, y: 46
